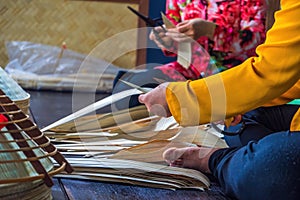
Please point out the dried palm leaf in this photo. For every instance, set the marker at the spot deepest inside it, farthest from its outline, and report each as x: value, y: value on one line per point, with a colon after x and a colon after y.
x: 95, y: 106
x: 101, y: 121
x: 134, y: 172
x: 124, y: 152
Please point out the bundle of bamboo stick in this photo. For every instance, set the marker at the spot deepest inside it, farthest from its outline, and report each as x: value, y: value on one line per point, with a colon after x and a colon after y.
x: 61, y: 83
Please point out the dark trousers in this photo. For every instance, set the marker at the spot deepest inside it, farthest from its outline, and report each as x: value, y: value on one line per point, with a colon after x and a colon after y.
x: 265, y: 160
x: 261, y: 122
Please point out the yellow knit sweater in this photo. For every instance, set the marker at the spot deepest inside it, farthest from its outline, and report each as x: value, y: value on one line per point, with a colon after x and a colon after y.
x: 271, y: 78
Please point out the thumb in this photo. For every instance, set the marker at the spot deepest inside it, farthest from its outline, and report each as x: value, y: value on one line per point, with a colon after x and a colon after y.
x: 182, y: 23
x: 236, y: 120
x: 183, y: 27
x: 142, y: 98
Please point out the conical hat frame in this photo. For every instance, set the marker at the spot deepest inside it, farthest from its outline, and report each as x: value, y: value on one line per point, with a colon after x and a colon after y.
x: 18, y: 122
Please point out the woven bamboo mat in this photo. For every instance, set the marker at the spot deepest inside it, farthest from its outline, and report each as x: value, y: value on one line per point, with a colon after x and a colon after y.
x: 81, y: 24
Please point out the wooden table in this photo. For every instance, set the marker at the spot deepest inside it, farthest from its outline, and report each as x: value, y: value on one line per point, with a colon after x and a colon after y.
x: 47, y: 107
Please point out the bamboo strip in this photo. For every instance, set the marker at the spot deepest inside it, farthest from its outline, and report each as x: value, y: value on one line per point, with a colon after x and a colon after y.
x: 24, y: 148
x: 37, y: 158
x: 101, y: 121
x: 79, y: 134
x: 32, y: 178
x: 15, y: 121
x: 99, y: 104
x: 92, y: 148
x: 30, y: 128
x: 103, y: 142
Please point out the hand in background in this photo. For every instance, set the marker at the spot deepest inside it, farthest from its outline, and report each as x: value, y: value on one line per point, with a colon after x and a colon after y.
x: 155, y: 101
x: 191, y: 30
x: 158, y: 35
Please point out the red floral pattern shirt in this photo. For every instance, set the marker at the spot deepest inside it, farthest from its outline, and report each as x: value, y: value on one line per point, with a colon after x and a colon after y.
x: 240, y: 28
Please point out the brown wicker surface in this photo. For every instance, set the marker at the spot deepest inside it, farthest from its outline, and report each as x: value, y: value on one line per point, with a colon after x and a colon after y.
x: 81, y: 24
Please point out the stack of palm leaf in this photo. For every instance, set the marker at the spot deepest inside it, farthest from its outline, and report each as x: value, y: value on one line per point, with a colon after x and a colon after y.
x: 127, y: 146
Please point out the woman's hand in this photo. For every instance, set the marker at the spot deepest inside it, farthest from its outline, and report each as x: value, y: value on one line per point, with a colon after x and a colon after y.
x: 159, y: 36
x: 236, y: 120
x: 155, y: 101
x: 185, y: 31
x: 191, y: 30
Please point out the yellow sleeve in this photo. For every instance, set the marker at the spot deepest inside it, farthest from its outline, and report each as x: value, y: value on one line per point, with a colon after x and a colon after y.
x: 291, y: 94
x: 252, y: 84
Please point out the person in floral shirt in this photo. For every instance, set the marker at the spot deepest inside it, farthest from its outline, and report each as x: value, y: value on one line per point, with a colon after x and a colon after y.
x: 240, y: 28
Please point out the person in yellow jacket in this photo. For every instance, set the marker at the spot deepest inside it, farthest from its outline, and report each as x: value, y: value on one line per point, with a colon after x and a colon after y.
x: 268, y: 168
